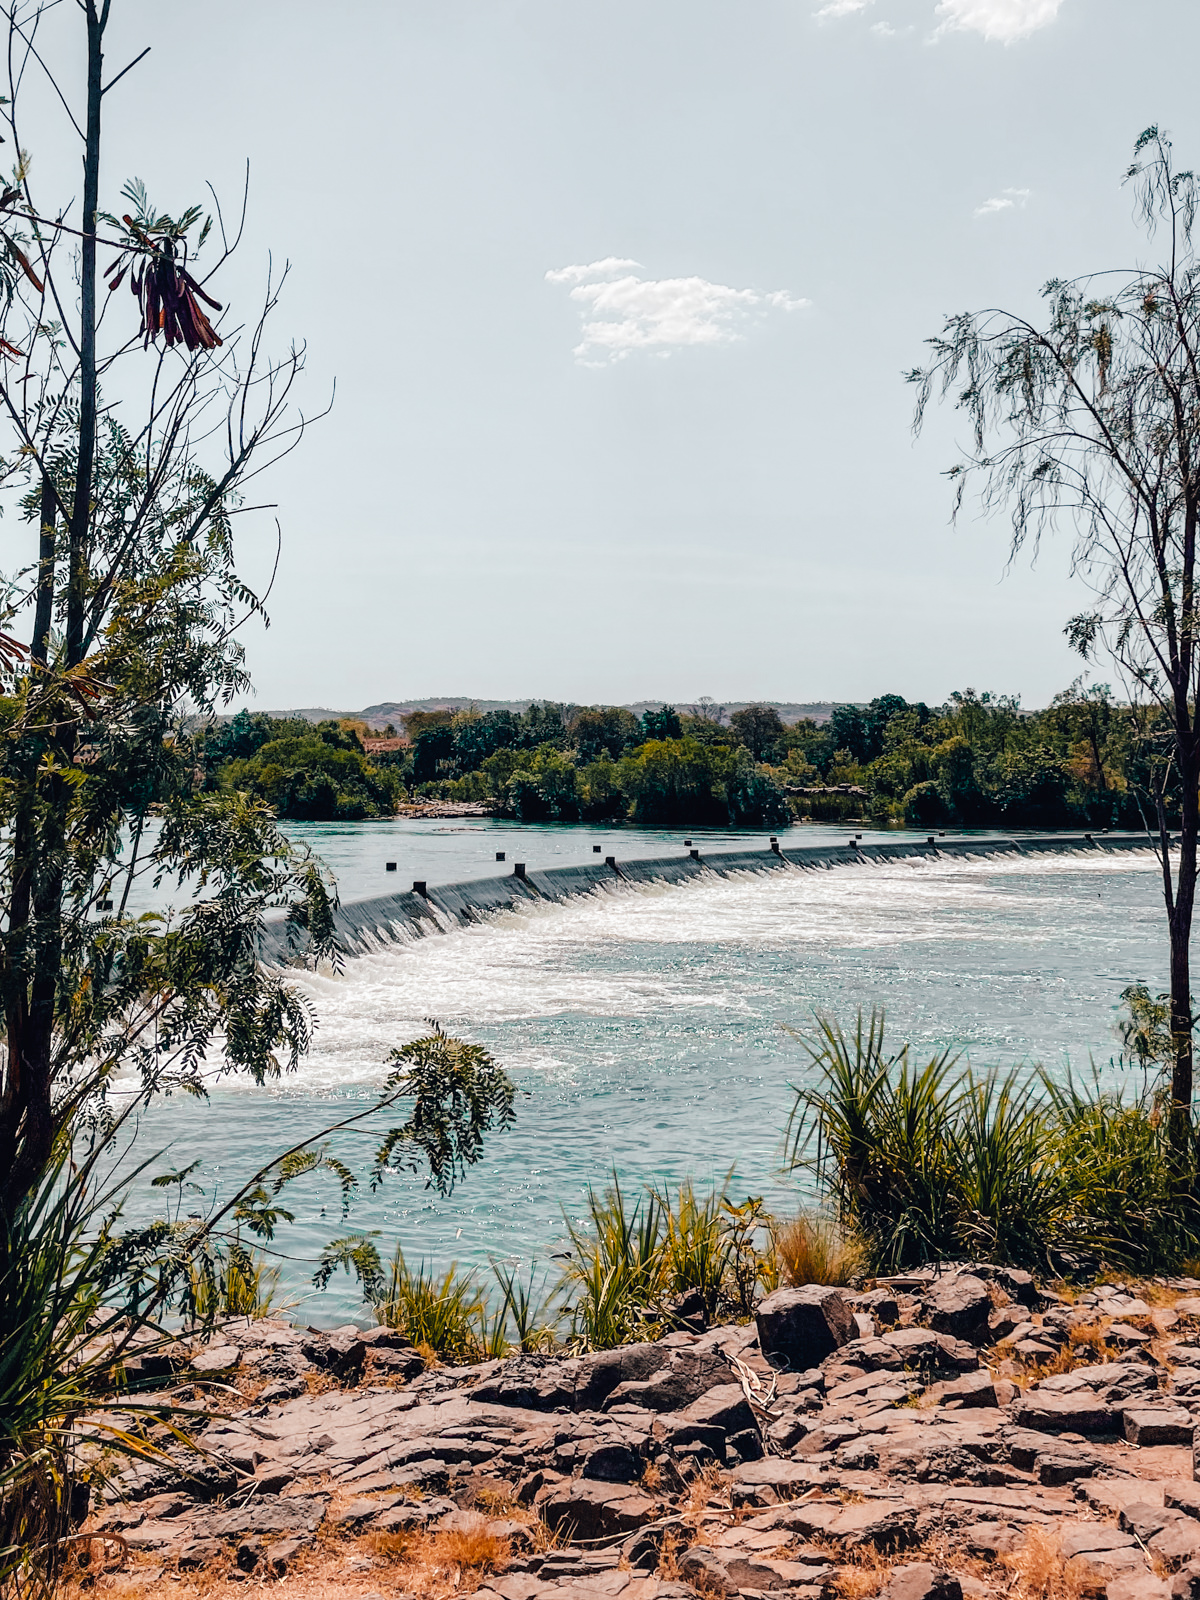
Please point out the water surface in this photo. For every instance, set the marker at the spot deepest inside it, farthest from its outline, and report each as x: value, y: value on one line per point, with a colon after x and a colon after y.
x: 653, y: 1029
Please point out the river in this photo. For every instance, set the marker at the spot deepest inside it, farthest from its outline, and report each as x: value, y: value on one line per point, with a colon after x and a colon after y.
x: 654, y: 1030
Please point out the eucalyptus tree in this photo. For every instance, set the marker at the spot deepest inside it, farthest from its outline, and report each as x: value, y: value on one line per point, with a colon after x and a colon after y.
x: 130, y: 428
x: 1088, y: 419
x: 135, y: 412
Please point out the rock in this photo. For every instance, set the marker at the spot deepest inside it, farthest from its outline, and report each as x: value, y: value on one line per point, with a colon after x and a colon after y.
x: 1144, y: 1520
x: 1183, y: 1497
x: 612, y: 1463
x: 703, y: 1566
x: 280, y: 1555
x: 957, y: 1303
x: 248, y: 1554
x: 1086, y: 1538
x: 921, y: 1581
x: 395, y: 1363
x: 381, y: 1337
x: 200, y: 1552
x: 1158, y: 1425
x: 215, y: 1358
x: 803, y: 1326
x: 974, y: 1389
x: 1138, y: 1586
x: 1066, y: 1413
x: 269, y: 1514
x: 1186, y: 1583
x: 724, y: 1407
x: 590, y: 1509
x: 1066, y: 1467
x: 598, y: 1375
x: 1178, y: 1542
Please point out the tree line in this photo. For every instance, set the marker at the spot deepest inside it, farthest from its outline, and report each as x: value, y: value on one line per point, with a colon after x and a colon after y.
x: 979, y: 760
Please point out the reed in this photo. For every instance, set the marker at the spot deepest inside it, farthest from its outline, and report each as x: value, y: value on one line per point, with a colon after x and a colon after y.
x: 935, y: 1161
x: 442, y: 1313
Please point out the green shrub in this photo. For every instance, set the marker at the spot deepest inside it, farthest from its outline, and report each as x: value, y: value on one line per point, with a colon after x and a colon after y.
x: 937, y: 1161
x: 438, y: 1314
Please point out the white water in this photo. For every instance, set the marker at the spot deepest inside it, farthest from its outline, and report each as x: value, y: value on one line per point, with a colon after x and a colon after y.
x: 652, y: 1028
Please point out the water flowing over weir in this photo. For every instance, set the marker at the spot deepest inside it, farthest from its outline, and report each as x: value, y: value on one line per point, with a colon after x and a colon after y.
x: 367, y: 925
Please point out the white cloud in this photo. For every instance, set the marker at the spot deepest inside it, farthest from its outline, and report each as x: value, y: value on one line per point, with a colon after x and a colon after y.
x: 622, y: 313
x: 1009, y: 200
x: 841, y: 8
x: 1001, y: 20
x: 883, y: 30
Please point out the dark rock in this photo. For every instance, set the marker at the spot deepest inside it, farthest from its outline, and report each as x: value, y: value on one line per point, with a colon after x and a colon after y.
x: 381, y: 1337
x: 724, y: 1407
x: 1177, y: 1543
x: 1183, y: 1497
x: 921, y: 1581
x: 958, y: 1304
x: 200, y: 1552
x: 269, y: 1514
x: 280, y: 1555
x: 589, y: 1509
x: 1186, y: 1583
x: 803, y: 1326
x: 1062, y: 1466
x: 249, y: 1554
x: 599, y: 1374
x: 642, y: 1549
x: 744, y: 1446
x: 612, y: 1463
x: 975, y: 1389
x: 1067, y: 1413
x: 688, y: 1311
x: 395, y: 1363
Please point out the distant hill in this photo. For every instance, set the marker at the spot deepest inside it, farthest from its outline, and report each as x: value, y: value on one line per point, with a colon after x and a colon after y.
x: 378, y: 716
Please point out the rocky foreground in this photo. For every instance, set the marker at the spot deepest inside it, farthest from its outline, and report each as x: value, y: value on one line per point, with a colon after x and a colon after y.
x: 940, y: 1436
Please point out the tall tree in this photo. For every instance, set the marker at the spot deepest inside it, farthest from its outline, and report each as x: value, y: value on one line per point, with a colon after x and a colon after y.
x: 129, y: 429
x: 1092, y: 419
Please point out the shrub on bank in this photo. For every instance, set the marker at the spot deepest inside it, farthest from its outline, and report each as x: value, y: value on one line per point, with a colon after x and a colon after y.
x: 935, y: 1161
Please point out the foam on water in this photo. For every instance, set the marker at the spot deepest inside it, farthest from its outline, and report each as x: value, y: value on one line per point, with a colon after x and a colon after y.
x: 651, y: 1028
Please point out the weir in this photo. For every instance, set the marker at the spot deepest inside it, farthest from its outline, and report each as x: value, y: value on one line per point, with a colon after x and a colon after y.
x: 365, y: 925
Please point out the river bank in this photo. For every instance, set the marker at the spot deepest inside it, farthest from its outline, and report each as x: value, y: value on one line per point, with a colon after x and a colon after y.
x: 962, y: 1432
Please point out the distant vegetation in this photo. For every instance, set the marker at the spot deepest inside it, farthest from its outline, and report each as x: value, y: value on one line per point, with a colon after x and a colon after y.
x: 976, y: 761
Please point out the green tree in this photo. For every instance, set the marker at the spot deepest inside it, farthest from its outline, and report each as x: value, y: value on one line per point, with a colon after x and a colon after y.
x: 759, y: 728
x: 1094, y: 414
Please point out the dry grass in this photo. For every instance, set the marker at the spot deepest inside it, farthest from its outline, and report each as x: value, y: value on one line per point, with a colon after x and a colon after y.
x: 813, y: 1248
x: 652, y: 1476
x: 1040, y: 1573
x: 445, y: 1562
x: 866, y: 1572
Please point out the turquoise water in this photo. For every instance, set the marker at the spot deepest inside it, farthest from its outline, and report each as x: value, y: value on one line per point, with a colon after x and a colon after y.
x: 652, y: 1029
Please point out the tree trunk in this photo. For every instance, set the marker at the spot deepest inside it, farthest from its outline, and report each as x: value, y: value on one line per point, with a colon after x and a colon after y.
x: 1179, y: 916
x: 81, y: 508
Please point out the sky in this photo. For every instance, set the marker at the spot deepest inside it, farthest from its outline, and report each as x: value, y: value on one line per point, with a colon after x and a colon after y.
x: 618, y: 301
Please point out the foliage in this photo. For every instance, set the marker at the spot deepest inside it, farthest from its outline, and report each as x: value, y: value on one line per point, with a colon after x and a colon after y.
x: 314, y: 774
x: 935, y: 1161
x: 632, y: 1259
x: 1090, y: 416
x: 438, y: 1313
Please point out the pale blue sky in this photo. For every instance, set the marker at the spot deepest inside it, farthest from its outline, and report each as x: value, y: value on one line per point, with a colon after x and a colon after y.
x: 720, y: 493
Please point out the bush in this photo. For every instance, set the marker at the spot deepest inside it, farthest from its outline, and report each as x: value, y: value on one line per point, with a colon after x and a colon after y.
x: 939, y: 1162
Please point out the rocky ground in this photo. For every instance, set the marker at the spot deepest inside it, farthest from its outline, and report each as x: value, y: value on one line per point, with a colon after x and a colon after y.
x: 941, y: 1436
